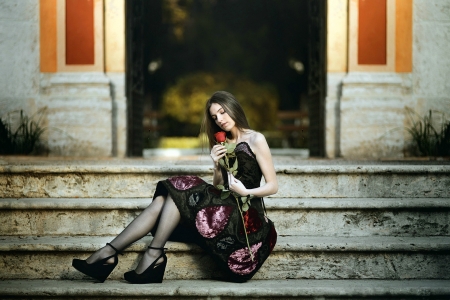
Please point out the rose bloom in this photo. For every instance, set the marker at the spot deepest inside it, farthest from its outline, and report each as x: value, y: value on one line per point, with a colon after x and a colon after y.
x: 220, y: 136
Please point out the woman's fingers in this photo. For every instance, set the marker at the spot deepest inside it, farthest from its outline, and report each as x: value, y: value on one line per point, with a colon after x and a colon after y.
x: 232, y: 179
x: 217, y: 152
x: 236, y: 185
x: 218, y: 149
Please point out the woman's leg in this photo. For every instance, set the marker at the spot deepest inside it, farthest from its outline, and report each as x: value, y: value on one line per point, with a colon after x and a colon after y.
x: 170, y: 217
x: 137, y: 229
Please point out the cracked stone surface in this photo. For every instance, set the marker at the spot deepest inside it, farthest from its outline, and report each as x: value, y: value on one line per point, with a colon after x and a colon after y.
x: 208, y: 289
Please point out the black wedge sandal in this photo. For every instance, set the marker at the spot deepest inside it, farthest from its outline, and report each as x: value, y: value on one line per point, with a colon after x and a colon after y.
x: 153, y: 274
x: 99, y: 270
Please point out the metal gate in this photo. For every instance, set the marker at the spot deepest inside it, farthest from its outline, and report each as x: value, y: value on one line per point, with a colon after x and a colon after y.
x: 317, y: 76
x: 136, y: 68
x: 135, y: 77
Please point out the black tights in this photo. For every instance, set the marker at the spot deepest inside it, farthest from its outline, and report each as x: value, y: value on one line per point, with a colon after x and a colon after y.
x: 161, y: 206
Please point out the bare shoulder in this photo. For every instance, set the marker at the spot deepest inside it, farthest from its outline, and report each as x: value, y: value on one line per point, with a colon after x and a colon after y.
x: 258, y: 142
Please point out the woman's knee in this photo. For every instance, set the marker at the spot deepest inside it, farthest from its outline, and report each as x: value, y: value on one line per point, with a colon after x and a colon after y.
x: 157, y: 203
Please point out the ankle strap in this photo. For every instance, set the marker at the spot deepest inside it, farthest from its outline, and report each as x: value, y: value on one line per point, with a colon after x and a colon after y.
x: 117, y: 251
x: 162, y: 248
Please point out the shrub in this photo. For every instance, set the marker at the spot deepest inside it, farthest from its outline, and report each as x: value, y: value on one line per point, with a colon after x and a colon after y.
x: 184, y: 102
x: 427, y: 140
x: 25, y: 138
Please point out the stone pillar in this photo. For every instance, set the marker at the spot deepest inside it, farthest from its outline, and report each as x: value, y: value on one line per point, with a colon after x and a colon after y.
x: 337, y: 30
x: 115, y: 70
x: 372, y: 112
x: 79, y: 113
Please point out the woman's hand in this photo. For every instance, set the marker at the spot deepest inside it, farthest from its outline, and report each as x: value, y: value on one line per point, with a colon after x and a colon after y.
x: 217, y: 152
x: 236, y: 185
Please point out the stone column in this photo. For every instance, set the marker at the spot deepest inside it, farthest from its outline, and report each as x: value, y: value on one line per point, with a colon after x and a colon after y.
x: 337, y: 31
x: 115, y: 70
x: 79, y: 113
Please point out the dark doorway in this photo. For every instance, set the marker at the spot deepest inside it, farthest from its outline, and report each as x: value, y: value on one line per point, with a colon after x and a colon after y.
x: 276, y: 46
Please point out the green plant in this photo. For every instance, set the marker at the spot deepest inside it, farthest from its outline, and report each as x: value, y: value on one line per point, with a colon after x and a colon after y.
x: 183, y: 103
x: 427, y: 140
x: 25, y: 138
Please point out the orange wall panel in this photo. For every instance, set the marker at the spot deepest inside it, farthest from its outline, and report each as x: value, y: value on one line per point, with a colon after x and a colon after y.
x: 403, y: 33
x: 48, y: 52
x: 372, y: 32
x: 80, y: 32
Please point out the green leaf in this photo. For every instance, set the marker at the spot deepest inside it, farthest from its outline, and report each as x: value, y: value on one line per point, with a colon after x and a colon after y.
x: 235, y: 165
x: 222, y: 162
x: 224, y: 195
x: 245, y: 207
x: 244, y: 199
x: 230, y: 147
x: 220, y: 187
x: 234, y: 173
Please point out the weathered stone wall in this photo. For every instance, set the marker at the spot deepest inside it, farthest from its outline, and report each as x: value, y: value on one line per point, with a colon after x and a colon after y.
x: 431, y: 58
x: 85, y: 111
x: 372, y: 106
x: 19, y: 56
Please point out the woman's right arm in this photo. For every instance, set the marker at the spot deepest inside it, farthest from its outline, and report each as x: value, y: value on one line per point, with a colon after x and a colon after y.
x: 217, y: 177
x: 217, y: 152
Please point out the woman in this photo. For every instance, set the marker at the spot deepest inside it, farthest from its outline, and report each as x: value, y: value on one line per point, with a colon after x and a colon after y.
x: 188, y: 204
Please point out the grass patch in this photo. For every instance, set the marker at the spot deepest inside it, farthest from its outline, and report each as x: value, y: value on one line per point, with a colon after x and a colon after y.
x: 427, y: 140
x: 26, y: 138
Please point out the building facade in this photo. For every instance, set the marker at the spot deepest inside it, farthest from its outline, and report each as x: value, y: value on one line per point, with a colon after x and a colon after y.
x: 69, y: 56
x: 383, y: 56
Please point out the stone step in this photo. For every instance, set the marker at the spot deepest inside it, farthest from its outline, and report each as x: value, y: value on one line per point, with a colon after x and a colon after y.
x: 292, y: 216
x: 294, y: 257
x: 78, y: 179
x: 208, y: 289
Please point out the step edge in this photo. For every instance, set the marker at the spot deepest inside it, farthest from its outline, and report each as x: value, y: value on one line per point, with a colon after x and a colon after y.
x: 206, y: 169
x: 284, y: 244
x: 204, y: 288
x: 271, y: 203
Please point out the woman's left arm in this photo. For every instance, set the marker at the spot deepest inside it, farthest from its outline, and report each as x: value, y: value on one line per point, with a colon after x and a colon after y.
x: 264, y: 157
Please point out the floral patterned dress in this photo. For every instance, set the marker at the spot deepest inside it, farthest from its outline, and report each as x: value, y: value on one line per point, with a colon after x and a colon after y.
x: 216, y: 224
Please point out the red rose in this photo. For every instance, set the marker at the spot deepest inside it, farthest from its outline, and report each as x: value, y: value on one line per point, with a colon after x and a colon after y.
x: 220, y: 136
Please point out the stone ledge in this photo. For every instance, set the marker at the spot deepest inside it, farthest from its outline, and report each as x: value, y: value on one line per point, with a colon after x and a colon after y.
x: 59, y: 168
x: 355, y: 203
x: 284, y: 244
x: 375, y: 78
x: 260, y: 289
x: 270, y: 203
x: 65, y: 78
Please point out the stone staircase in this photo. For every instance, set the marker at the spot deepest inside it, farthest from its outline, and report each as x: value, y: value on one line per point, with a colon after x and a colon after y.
x: 346, y: 230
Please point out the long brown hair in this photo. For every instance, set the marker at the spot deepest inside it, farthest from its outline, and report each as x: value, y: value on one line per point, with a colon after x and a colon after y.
x: 231, y: 107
